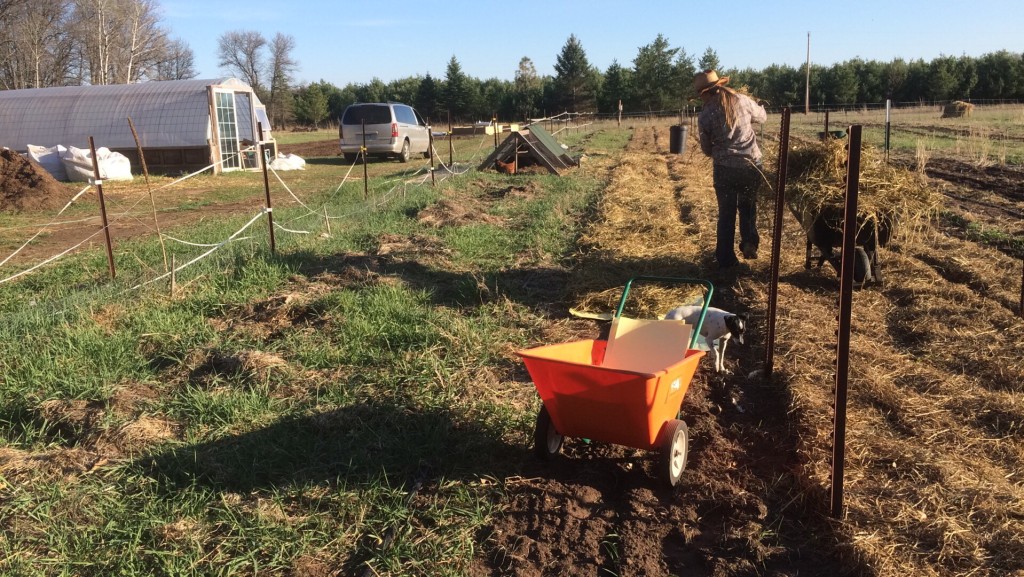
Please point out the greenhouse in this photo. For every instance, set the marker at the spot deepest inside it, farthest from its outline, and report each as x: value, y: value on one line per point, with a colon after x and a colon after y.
x: 182, y: 125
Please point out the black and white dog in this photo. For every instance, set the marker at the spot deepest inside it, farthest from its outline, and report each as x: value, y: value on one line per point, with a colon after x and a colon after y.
x: 719, y: 326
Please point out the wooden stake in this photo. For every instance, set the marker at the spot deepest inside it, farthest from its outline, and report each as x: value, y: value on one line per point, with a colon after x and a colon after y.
x: 152, y: 202
x: 266, y: 189
x: 103, y: 207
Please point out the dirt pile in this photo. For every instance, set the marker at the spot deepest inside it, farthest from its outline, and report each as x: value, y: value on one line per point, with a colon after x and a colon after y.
x: 24, y: 185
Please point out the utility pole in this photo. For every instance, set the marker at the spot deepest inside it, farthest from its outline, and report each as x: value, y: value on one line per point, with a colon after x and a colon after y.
x: 807, y: 83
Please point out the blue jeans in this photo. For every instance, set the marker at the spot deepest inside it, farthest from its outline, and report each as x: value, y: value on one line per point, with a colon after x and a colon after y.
x: 736, y: 189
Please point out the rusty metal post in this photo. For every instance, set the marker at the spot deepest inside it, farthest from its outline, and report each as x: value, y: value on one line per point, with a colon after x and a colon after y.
x: 780, y: 203
x: 266, y: 187
x: 451, y: 145
x: 103, y: 207
x: 825, y: 137
x: 430, y: 139
x: 494, y: 121
x: 845, y: 301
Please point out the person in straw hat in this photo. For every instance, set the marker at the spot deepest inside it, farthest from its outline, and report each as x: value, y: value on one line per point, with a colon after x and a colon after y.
x: 726, y: 130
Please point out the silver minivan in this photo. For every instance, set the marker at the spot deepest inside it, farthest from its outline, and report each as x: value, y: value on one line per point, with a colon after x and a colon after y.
x: 391, y: 129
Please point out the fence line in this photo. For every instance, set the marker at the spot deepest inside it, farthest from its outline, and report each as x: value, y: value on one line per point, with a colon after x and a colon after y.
x: 205, y: 254
x: 397, y: 186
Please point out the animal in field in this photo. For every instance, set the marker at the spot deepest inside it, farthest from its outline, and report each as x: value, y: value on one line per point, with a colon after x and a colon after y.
x: 718, y: 328
x: 824, y: 229
x: 505, y: 167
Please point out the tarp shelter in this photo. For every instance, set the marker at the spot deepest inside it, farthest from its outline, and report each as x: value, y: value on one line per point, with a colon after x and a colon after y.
x: 533, y: 142
x: 183, y: 125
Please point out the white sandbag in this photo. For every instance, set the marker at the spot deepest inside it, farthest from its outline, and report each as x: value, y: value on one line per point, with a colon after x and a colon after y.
x: 49, y: 157
x: 113, y: 165
x: 288, y: 162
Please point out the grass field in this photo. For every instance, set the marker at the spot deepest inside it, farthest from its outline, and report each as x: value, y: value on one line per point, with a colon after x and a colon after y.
x: 272, y: 410
x: 990, y: 135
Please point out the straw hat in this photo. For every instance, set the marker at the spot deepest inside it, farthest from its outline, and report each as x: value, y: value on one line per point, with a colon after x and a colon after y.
x: 704, y: 81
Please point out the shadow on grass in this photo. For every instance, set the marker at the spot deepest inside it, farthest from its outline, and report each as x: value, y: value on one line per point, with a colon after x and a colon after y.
x: 360, y: 443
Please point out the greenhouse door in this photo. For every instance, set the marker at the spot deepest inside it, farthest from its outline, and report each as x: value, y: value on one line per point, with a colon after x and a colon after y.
x: 227, y: 130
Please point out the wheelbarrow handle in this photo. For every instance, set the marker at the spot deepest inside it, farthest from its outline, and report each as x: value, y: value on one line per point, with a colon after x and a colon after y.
x: 672, y: 280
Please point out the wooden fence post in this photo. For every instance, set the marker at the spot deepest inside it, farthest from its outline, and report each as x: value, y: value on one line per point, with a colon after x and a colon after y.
x: 98, y: 182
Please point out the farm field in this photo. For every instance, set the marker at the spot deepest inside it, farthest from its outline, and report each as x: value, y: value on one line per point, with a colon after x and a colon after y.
x: 354, y: 405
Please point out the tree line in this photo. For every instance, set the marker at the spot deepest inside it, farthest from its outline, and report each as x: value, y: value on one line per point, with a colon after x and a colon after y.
x: 659, y: 79
x: 75, y: 42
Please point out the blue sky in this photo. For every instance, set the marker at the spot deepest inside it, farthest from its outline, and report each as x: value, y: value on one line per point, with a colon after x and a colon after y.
x: 345, y: 41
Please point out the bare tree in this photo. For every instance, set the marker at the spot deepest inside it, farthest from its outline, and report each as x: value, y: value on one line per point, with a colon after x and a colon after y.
x: 143, y: 42
x: 282, y: 67
x: 241, y: 52
x: 178, y: 62
x: 34, y: 43
x: 120, y: 40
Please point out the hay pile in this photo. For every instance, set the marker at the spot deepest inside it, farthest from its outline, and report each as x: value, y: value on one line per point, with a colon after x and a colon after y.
x: 957, y: 109
x: 816, y: 184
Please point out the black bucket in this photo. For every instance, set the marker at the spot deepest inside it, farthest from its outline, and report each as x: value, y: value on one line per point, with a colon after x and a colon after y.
x: 677, y: 138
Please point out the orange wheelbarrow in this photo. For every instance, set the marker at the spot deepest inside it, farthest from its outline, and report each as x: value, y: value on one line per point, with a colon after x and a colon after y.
x: 626, y: 390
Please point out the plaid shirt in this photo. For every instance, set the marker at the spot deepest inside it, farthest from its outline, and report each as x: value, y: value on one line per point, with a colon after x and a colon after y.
x: 735, y: 147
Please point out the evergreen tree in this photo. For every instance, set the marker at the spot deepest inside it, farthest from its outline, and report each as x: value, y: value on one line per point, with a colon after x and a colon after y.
x: 894, y: 77
x: 942, y: 79
x: 617, y: 87
x: 684, y: 70
x: 427, y: 100
x: 574, y: 78
x: 709, y: 61
x: 403, y: 90
x: 527, y: 91
x: 653, y: 79
x: 458, y: 94
x: 311, y: 104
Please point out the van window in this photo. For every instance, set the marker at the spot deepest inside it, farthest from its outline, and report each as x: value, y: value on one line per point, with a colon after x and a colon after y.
x: 404, y: 114
x: 369, y: 113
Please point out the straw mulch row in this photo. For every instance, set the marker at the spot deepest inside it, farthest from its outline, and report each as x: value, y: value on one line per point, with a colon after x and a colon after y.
x: 638, y: 232
x: 933, y: 483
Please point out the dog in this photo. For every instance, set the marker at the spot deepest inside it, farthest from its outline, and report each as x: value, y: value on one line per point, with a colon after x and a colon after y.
x: 719, y: 326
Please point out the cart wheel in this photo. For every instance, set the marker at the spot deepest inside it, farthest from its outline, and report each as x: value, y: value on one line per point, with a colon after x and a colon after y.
x: 674, y: 447
x: 547, y: 442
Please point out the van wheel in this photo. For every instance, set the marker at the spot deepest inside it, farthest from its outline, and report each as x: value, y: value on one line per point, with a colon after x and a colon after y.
x: 404, y: 155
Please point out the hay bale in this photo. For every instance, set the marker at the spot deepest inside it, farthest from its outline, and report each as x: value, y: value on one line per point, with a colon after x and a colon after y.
x: 957, y: 109
x: 816, y: 184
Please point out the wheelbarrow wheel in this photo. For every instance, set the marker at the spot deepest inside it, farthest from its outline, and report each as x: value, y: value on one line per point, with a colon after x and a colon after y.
x: 674, y: 448
x: 547, y: 442
x: 861, y: 265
